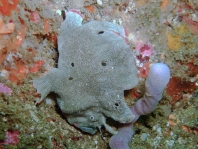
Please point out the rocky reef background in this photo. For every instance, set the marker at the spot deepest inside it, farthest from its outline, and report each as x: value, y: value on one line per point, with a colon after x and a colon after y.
x: 158, y: 31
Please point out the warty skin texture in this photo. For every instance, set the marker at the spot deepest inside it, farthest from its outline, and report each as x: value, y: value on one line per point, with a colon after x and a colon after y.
x: 95, y: 66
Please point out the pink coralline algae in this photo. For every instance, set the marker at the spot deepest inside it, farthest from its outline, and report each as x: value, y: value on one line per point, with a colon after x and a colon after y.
x: 144, y: 51
x: 12, y: 138
x: 34, y: 16
x: 5, y: 90
x: 158, y: 78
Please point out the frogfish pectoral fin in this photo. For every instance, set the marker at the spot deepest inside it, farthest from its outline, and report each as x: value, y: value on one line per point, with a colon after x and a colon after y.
x: 44, y: 85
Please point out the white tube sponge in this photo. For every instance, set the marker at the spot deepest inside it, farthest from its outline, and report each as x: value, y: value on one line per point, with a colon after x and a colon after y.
x: 122, y: 138
x: 158, y: 78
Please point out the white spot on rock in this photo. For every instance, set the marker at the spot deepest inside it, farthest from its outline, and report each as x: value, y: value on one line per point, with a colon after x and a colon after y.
x: 99, y: 2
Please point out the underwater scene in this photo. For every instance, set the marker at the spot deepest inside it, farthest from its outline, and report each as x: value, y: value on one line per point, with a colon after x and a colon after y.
x: 98, y: 74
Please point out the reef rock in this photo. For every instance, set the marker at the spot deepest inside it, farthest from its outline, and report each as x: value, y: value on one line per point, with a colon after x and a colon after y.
x: 95, y: 66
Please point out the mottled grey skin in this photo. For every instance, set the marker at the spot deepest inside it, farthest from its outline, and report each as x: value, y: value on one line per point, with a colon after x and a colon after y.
x: 95, y: 66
